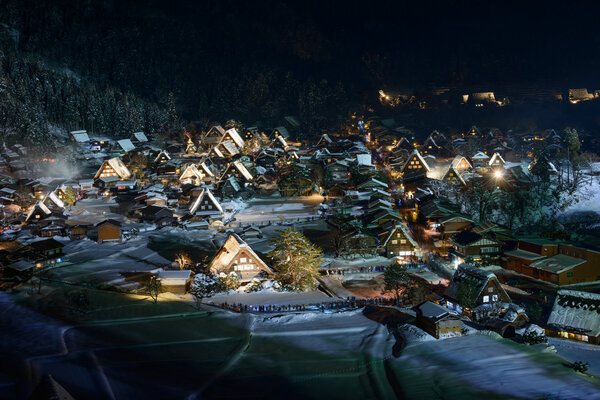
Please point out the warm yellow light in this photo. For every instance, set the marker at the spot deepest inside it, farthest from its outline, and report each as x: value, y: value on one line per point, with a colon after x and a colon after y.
x: 498, y: 174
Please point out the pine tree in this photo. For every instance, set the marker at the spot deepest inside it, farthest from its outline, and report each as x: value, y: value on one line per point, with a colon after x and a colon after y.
x: 396, y: 280
x: 296, y: 260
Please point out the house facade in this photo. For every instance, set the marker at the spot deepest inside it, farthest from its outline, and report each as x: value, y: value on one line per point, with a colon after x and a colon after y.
x: 237, y: 256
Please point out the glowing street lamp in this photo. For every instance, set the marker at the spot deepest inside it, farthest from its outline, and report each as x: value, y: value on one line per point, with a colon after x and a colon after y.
x: 497, y: 174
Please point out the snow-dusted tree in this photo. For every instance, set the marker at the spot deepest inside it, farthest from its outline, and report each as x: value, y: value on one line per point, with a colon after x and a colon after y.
x: 138, y: 164
x: 296, y: 260
x: 203, y: 286
x: 533, y: 335
x: 229, y: 281
x: 69, y: 195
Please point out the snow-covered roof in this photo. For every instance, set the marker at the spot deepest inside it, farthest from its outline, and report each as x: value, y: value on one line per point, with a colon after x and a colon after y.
x: 375, y: 181
x: 234, y: 183
x: 140, y: 136
x: 433, y: 311
x: 364, y: 159
x: 206, y: 169
x: 480, y: 155
x: 405, y: 232
x: 126, y: 145
x: 230, y: 147
x: 56, y: 200
x: 577, y: 311
x: 418, y: 155
x: 235, y: 136
x: 281, y: 140
x: 497, y: 157
x: 162, y: 153
x: 243, y: 170
x: 458, y: 159
x: 38, y: 205
x: 228, y: 252
x: 176, y: 277
x: 80, y: 136
x: 118, y: 166
x: 191, y: 171
x: 205, y: 193
x: 558, y: 264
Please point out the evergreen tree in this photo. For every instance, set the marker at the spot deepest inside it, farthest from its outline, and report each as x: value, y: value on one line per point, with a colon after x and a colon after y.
x: 397, y: 281
x: 296, y: 260
x: 69, y: 195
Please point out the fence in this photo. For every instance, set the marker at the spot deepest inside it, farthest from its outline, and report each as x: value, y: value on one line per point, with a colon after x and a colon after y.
x: 333, y: 306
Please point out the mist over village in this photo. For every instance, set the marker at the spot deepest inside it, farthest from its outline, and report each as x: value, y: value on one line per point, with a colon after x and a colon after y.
x: 302, y: 200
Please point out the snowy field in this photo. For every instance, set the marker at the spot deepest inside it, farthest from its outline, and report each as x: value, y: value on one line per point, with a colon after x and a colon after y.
x: 186, y: 354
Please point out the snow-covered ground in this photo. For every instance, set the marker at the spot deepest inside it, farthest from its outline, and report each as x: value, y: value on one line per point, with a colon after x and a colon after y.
x: 270, y: 296
x: 576, y: 351
x: 191, y: 354
x: 589, y: 195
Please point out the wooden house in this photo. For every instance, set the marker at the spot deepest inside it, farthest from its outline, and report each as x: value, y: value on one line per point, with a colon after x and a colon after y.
x: 156, y: 213
x: 191, y: 175
x: 79, y: 231
x: 240, y: 171
x: 480, y: 160
x: 415, y: 167
x: 471, y: 244
x: 162, y: 157
x: 190, y: 147
x: 460, y: 163
x: 80, y: 137
x: 554, y: 262
x: 230, y: 187
x: 497, y: 162
x: 213, y: 136
x: 398, y: 242
x: 206, y: 205
x: 237, y: 256
x: 109, y: 230
x: 113, y: 167
x: 53, y: 228
x: 453, y: 177
x: 177, y: 281
x: 45, y: 252
x: 575, y: 316
x: 430, y: 147
x: 438, y: 321
x: 234, y: 137
x: 486, y: 287
x: 38, y: 212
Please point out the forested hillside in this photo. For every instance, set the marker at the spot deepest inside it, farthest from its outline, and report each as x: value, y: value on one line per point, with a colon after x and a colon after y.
x: 123, y: 52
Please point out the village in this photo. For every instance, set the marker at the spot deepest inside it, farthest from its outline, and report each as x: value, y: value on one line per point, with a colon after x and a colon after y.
x: 431, y: 234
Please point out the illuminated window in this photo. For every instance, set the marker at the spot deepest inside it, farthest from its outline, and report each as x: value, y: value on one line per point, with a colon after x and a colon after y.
x: 486, y: 299
x: 495, y: 297
x: 394, y: 242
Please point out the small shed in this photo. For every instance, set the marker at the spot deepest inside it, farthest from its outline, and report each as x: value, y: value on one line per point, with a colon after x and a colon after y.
x: 177, y: 281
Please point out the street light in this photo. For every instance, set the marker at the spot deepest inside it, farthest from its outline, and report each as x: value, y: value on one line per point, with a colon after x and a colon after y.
x: 497, y: 174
